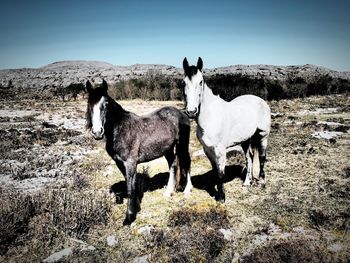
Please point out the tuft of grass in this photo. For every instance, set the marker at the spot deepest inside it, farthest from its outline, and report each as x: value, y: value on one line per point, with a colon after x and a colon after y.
x: 49, y: 215
x: 192, y: 235
x: 289, y: 251
x: 214, y: 216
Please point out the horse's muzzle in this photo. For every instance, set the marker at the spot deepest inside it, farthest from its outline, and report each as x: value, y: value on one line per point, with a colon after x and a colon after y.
x: 97, y: 135
x: 192, y: 114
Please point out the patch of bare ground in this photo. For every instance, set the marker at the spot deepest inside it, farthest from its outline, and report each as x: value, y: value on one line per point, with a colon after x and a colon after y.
x: 55, y: 184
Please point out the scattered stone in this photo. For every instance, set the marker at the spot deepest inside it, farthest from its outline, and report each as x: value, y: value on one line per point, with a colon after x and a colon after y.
x: 275, y: 115
x: 318, y: 111
x: 142, y: 259
x: 83, y: 245
x: 336, y: 247
x: 89, y: 247
x: 228, y: 234
x: 112, y: 241
x: 59, y: 255
x: 328, y: 123
x: 328, y: 135
x: 145, y: 230
x: 260, y: 239
x: 274, y: 229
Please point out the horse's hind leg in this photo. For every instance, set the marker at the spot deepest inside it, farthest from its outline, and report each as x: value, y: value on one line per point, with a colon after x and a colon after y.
x: 262, y: 159
x: 170, y: 157
x: 246, y: 146
x: 185, y: 166
x: 183, y: 156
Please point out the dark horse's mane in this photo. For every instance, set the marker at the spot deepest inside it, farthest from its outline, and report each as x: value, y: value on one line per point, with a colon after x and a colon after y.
x: 113, y: 107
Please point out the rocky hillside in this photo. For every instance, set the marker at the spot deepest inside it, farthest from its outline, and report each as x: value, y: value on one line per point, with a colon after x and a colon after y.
x: 62, y: 74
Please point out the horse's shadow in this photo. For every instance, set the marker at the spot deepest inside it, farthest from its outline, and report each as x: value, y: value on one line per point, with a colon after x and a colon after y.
x: 206, y: 181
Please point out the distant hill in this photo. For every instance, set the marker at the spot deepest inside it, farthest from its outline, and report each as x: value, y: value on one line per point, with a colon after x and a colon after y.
x: 64, y: 73
x: 164, y: 81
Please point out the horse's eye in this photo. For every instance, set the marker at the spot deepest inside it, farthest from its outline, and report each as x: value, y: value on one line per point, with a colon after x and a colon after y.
x: 201, y: 83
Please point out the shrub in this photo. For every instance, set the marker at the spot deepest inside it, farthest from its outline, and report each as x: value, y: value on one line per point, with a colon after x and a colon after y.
x: 49, y: 214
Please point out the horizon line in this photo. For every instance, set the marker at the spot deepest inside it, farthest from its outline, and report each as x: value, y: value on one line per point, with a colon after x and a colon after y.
x: 162, y: 64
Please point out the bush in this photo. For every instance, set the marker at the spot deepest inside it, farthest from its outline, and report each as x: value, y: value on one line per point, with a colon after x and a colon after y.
x: 193, y: 235
x: 155, y: 86
x: 49, y: 214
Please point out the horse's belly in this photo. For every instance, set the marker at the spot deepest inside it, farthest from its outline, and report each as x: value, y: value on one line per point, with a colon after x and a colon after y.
x: 155, y: 149
x: 237, y: 135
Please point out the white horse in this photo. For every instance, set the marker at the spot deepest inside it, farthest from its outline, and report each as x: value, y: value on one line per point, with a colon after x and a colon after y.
x: 246, y: 120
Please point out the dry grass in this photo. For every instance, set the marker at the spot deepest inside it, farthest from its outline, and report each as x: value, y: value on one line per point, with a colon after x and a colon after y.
x: 307, y: 188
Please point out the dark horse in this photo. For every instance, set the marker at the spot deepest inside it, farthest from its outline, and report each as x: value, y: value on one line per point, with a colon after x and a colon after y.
x: 133, y: 139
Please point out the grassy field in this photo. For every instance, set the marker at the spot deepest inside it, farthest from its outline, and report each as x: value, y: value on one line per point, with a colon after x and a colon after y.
x: 56, y: 182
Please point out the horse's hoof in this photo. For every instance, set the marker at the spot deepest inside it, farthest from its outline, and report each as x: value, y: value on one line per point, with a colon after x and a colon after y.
x: 261, y: 185
x: 220, y: 199
x: 168, y: 194
x: 187, y: 191
x: 118, y: 199
x: 247, y: 184
x: 129, y: 219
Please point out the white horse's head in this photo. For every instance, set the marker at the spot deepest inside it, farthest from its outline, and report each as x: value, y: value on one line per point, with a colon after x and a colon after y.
x: 96, y: 109
x: 194, y: 85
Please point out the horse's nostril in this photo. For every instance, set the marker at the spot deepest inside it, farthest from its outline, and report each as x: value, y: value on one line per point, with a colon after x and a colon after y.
x: 192, y: 113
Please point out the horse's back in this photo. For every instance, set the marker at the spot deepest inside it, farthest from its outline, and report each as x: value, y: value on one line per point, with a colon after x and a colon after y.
x: 173, y: 114
x: 258, y: 107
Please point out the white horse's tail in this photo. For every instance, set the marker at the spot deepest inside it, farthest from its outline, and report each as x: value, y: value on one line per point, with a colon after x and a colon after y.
x: 256, y: 163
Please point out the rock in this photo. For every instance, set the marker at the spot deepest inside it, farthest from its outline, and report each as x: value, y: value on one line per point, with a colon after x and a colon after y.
x: 59, y: 255
x: 228, y: 234
x: 83, y: 245
x: 260, y: 239
x: 89, y: 247
x: 336, y: 247
x: 112, y: 241
x: 274, y: 229
x: 328, y: 135
x: 142, y: 259
x: 145, y: 230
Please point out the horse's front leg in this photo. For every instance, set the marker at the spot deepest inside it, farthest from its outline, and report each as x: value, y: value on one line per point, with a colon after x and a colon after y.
x: 119, y: 196
x: 217, y: 157
x: 133, y: 195
x: 220, y: 158
x: 170, y: 189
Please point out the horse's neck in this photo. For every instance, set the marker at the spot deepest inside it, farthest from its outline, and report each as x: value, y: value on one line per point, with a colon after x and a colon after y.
x: 208, y: 101
x: 115, y: 113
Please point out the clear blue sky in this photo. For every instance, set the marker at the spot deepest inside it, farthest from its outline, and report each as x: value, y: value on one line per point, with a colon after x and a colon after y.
x: 36, y: 33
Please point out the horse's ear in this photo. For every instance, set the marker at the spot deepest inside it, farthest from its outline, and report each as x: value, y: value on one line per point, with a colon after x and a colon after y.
x: 88, y: 86
x: 104, y: 86
x: 200, y: 64
x: 185, y: 64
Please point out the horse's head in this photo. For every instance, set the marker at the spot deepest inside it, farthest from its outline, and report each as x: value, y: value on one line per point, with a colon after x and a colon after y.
x: 96, y: 109
x: 194, y: 85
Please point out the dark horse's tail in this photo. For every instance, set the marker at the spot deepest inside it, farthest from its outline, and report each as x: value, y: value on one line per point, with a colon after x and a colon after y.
x: 183, y: 159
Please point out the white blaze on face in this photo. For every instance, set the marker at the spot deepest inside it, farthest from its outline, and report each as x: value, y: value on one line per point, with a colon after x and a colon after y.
x: 97, y: 119
x: 193, y: 90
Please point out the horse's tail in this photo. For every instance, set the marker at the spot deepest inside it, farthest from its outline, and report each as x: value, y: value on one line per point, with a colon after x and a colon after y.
x: 256, y: 162
x: 183, y: 158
